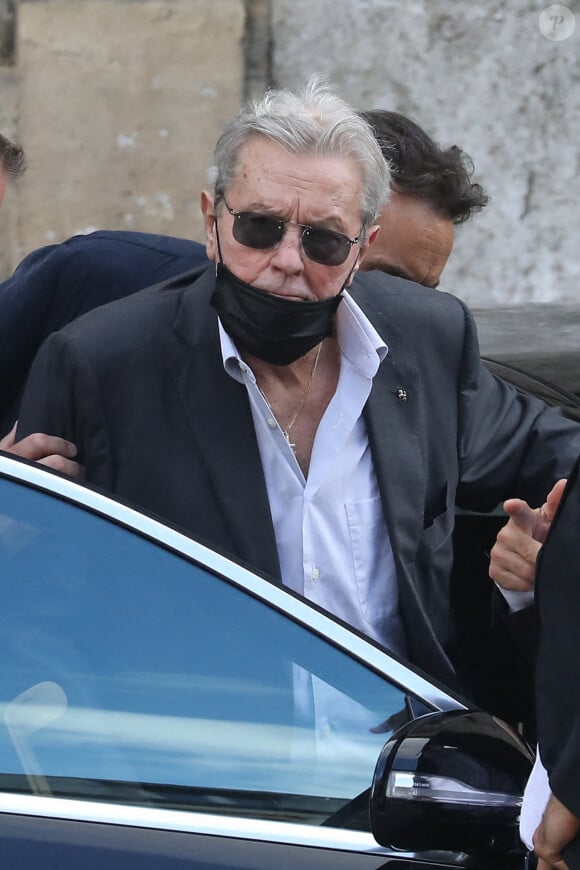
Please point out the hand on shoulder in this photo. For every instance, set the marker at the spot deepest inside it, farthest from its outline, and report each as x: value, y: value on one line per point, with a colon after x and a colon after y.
x: 49, y: 450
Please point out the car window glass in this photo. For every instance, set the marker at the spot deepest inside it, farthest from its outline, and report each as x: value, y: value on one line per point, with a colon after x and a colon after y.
x: 129, y: 674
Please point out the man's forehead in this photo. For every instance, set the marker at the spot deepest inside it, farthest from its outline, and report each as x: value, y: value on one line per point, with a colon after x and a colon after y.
x: 307, y: 186
x: 262, y: 159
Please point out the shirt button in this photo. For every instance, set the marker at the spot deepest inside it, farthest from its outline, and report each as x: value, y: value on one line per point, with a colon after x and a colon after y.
x: 242, y: 366
x: 315, y: 573
x: 272, y: 423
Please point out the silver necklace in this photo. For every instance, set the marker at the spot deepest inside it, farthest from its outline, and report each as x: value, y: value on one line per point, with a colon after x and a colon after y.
x: 286, y: 430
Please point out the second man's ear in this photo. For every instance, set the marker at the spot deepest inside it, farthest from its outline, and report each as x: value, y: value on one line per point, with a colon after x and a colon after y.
x: 208, y: 212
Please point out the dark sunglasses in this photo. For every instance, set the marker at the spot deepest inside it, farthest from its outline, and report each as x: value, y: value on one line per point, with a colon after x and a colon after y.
x: 262, y: 231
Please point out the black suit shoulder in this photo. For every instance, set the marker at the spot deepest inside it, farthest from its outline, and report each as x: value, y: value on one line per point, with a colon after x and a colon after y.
x: 132, y: 325
x: 390, y: 295
x: 421, y: 325
x: 56, y: 284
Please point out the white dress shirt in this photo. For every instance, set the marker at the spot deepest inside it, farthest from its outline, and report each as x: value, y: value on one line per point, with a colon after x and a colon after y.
x: 331, y: 536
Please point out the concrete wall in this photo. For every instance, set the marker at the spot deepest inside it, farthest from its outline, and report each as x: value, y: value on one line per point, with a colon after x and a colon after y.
x: 118, y: 103
x: 483, y: 76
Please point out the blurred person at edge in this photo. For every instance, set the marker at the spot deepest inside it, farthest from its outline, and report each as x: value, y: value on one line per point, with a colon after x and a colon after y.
x: 50, y: 450
x: 431, y: 192
x: 539, y: 549
x: 326, y: 420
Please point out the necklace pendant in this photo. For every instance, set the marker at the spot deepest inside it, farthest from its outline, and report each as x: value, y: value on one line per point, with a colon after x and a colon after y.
x: 290, y: 444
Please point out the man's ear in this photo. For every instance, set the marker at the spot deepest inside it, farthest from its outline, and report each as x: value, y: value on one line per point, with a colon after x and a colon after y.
x: 208, y: 212
x: 372, y: 233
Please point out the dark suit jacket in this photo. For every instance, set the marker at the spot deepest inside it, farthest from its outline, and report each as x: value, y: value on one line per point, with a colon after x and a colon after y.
x: 558, y: 665
x: 139, y: 386
x: 58, y: 283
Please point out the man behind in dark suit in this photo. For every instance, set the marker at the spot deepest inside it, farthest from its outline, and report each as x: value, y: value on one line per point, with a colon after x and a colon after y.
x: 51, y: 451
x: 58, y: 283
x: 558, y: 683
x: 540, y: 548
x: 321, y: 435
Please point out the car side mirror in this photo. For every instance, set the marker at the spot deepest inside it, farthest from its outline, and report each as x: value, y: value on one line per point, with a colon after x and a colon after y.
x: 451, y: 781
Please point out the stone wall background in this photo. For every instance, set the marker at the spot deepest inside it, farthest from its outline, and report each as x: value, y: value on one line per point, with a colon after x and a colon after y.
x: 118, y: 104
x: 482, y: 76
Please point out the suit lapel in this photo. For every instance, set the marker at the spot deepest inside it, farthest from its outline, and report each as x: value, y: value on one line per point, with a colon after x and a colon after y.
x: 392, y: 417
x: 219, y: 417
x: 392, y: 420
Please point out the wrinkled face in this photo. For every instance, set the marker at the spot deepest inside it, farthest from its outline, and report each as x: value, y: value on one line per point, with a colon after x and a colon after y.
x: 415, y: 241
x: 310, y: 189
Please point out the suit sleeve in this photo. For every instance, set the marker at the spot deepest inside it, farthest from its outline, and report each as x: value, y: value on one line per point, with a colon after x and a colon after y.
x: 26, y: 299
x: 565, y: 776
x: 63, y: 397
x: 509, y: 444
x: 558, y: 671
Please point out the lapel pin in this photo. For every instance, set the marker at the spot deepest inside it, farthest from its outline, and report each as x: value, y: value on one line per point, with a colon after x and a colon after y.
x: 402, y: 395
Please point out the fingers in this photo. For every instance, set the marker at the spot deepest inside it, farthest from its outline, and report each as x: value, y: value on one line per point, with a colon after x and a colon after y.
x: 49, y: 450
x: 548, y: 858
x: 39, y: 447
x: 8, y: 440
x: 514, y: 567
x: 548, y: 865
x: 65, y: 466
x: 558, y: 827
x: 523, y: 516
x: 513, y: 556
x: 553, y: 500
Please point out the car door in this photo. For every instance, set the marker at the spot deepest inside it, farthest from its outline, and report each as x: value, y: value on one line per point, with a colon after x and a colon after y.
x: 162, y: 706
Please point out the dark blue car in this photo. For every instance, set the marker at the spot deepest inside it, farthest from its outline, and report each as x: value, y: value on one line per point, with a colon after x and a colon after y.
x: 163, y: 707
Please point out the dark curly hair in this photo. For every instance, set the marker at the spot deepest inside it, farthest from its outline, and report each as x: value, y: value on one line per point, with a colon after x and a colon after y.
x: 440, y: 177
x: 11, y: 158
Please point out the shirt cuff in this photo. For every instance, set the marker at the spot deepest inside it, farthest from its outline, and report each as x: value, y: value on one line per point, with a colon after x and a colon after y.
x: 517, y: 600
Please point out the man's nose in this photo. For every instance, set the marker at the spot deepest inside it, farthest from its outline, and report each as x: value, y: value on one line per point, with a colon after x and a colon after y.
x: 288, y: 255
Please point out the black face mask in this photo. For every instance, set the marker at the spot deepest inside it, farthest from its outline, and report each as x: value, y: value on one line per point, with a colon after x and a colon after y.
x: 276, y: 330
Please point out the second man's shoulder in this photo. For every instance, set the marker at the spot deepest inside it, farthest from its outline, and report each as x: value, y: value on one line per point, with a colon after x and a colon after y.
x: 400, y: 300
x: 148, y: 311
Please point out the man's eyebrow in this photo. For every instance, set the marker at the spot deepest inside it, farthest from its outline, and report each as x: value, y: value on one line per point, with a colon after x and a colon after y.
x: 259, y: 208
